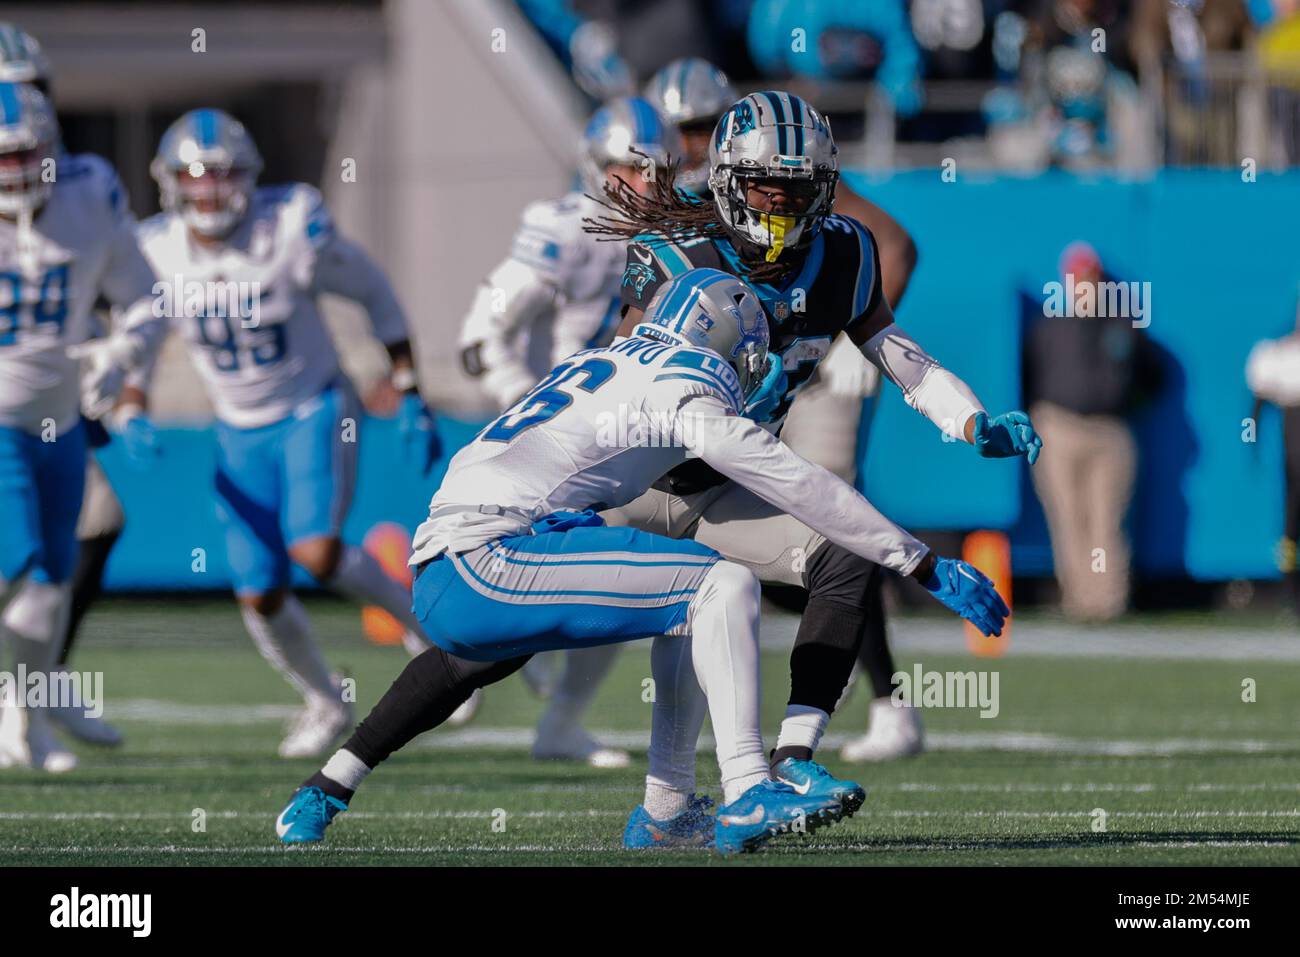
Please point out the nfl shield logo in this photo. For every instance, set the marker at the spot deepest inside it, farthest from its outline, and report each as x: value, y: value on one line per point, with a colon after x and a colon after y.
x: 781, y: 310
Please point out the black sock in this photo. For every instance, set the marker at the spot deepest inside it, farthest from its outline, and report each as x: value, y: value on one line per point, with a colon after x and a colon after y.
x: 427, y: 691
x: 87, y: 584
x: 780, y: 754
x: 825, y: 647
x: 330, y: 787
x: 873, y: 654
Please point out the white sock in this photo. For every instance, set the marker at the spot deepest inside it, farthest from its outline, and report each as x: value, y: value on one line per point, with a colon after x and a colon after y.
x: 362, y: 579
x: 803, y: 727
x: 724, y: 650
x: 584, y: 670
x: 285, y: 640
x: 346, y: 768
x: 662, y: 803
x: 675, y: 722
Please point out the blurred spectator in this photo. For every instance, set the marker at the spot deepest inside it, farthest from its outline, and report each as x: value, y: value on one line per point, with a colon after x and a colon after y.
x: 835, y: 40
x: 1076, y: 103
x: 1273, y: 375
x: 1082, y: 376
x: 1279, y: 54
x: 1171, y: 41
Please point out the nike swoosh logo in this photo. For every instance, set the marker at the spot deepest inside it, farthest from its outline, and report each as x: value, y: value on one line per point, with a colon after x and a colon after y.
x: 753, y: 817
x: 647, y: 258
x: 799, y: 788
x: 281, y: 828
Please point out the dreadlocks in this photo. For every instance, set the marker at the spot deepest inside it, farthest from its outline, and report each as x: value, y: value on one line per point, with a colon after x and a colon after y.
x: 670, y: 213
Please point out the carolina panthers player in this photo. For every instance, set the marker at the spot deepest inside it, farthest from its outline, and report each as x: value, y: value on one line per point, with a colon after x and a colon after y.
x: 836, y: 405
x: 773, y: 176
x: 556, y: 294
x: 244, y: 266
x: 66, y: 237
x: 102, y: 518
x: 513, y: 559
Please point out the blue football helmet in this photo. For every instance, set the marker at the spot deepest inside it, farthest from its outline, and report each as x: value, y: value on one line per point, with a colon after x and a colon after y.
x: 206, y: 169
x: 714, y: 310
x: 29, y: 143
x: 628, y: 132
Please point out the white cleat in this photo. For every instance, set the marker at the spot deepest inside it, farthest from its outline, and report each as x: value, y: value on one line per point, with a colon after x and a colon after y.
x: 465, y: 713
x: 27, y: 741
x: 893, y: 733
x: 318, y: 725
x: 575, y: 744
x: 86, y: 729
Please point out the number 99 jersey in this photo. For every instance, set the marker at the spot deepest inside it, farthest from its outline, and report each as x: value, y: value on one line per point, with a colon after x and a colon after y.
x: 81, y: 244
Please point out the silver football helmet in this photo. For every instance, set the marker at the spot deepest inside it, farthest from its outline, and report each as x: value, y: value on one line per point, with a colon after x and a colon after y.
x: 714, y: 310
x: 691, y: 92
x: 21, y: 59
x: 29, y: 143
x: 773, y: 136
x: 625, y: 132
x: 206, y: 169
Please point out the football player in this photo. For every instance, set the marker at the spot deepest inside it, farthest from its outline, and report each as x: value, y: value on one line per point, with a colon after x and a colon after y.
x: 513, y: 559
x: 102, y: 518
x: 773, y: 174
x: 836, y: 405
x: 66, y: 237
x: 556, y: 294
x: 242, y: 267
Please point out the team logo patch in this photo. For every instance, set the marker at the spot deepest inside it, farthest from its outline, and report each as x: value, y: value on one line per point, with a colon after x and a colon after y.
x: 637, y: 275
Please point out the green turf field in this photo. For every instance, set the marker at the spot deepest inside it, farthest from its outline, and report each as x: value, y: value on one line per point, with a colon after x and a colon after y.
x: 1184, y: 770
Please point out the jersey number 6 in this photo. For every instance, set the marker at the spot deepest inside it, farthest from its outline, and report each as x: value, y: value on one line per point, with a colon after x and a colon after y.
x: 547, y: 399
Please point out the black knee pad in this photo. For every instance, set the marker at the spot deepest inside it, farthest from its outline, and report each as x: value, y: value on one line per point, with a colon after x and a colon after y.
x: 836, y: 575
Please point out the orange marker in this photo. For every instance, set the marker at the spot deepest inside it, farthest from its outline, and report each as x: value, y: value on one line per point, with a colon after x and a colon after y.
x: 390, y: 545
x: 990, y: 552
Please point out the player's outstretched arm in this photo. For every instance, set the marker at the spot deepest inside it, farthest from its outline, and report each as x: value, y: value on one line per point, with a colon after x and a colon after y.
x: 755, y: 458
x: 938, y: 394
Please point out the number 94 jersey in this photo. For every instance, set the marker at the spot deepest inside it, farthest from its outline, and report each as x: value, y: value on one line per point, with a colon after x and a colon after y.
x: 80, y: 246
x: 246, y: 306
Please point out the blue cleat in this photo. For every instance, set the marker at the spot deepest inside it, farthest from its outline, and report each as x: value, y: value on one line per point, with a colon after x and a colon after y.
x: 307, y: 815
x: 766, y: 810
x: 691, y: 828
x: 810, y: 778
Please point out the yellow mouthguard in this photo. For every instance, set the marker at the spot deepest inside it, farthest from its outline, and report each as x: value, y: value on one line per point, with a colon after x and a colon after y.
x: 777, y: 227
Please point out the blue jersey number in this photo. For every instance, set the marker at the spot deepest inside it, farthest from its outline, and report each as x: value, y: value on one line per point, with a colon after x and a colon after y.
x: 218, y: 334
x: 547, y: 399
x: 50, y: 308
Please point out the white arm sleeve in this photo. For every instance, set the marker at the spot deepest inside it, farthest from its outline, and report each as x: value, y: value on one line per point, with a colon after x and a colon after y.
x: 507, y: 304
x: 344, y: 269
x: 759, y: 461
x: 927, y: 386
x: 128, y: 284
x: 1273, y: 371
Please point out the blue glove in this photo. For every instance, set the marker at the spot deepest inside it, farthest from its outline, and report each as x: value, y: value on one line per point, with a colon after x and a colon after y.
x: 1006, y: 435
x: 770, y: 392
x: 418, y: 432
x: 965, y: 589
x: 140, y: 439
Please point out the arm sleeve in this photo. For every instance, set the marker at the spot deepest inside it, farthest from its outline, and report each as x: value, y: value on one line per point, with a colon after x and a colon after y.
x: 927, y: 386
x: 643, y: 274
x: 762, y: 463
x: 127, y: 282
x: 344, y: 268
x: 506, y: 306
x: 1273, y: 371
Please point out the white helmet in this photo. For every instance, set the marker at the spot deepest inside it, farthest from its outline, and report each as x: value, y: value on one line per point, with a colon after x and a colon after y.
x: 691, y: 92
x: 714, y: 310
x: 625, y: 131
x: 29, y: 141
x: 773, y: 135
x: 21, y: 59
x: 207, y: 155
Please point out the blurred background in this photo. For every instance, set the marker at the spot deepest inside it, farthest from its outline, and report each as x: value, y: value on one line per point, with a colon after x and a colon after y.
x: 1149, y: 142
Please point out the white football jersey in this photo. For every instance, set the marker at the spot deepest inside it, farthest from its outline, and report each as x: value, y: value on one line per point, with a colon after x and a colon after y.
x: 81, y: 245
x: 606, y: 424
x: 556, y: 294
x: 247, y: 308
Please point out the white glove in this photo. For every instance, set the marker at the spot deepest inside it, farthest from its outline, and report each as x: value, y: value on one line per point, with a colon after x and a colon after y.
x: 847, y: 372
x: 107, y: 362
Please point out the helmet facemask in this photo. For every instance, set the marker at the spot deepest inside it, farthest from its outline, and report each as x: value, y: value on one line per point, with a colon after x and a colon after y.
x: 210, y: 198
x: 763, y: 233
x: 23, y: 187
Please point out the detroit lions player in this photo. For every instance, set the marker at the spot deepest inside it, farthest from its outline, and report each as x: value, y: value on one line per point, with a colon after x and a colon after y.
x: 66, y: 237
x: 555, y: 294
x: 242, y: 266
x: 773, y: 176
x: 513, y: 560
